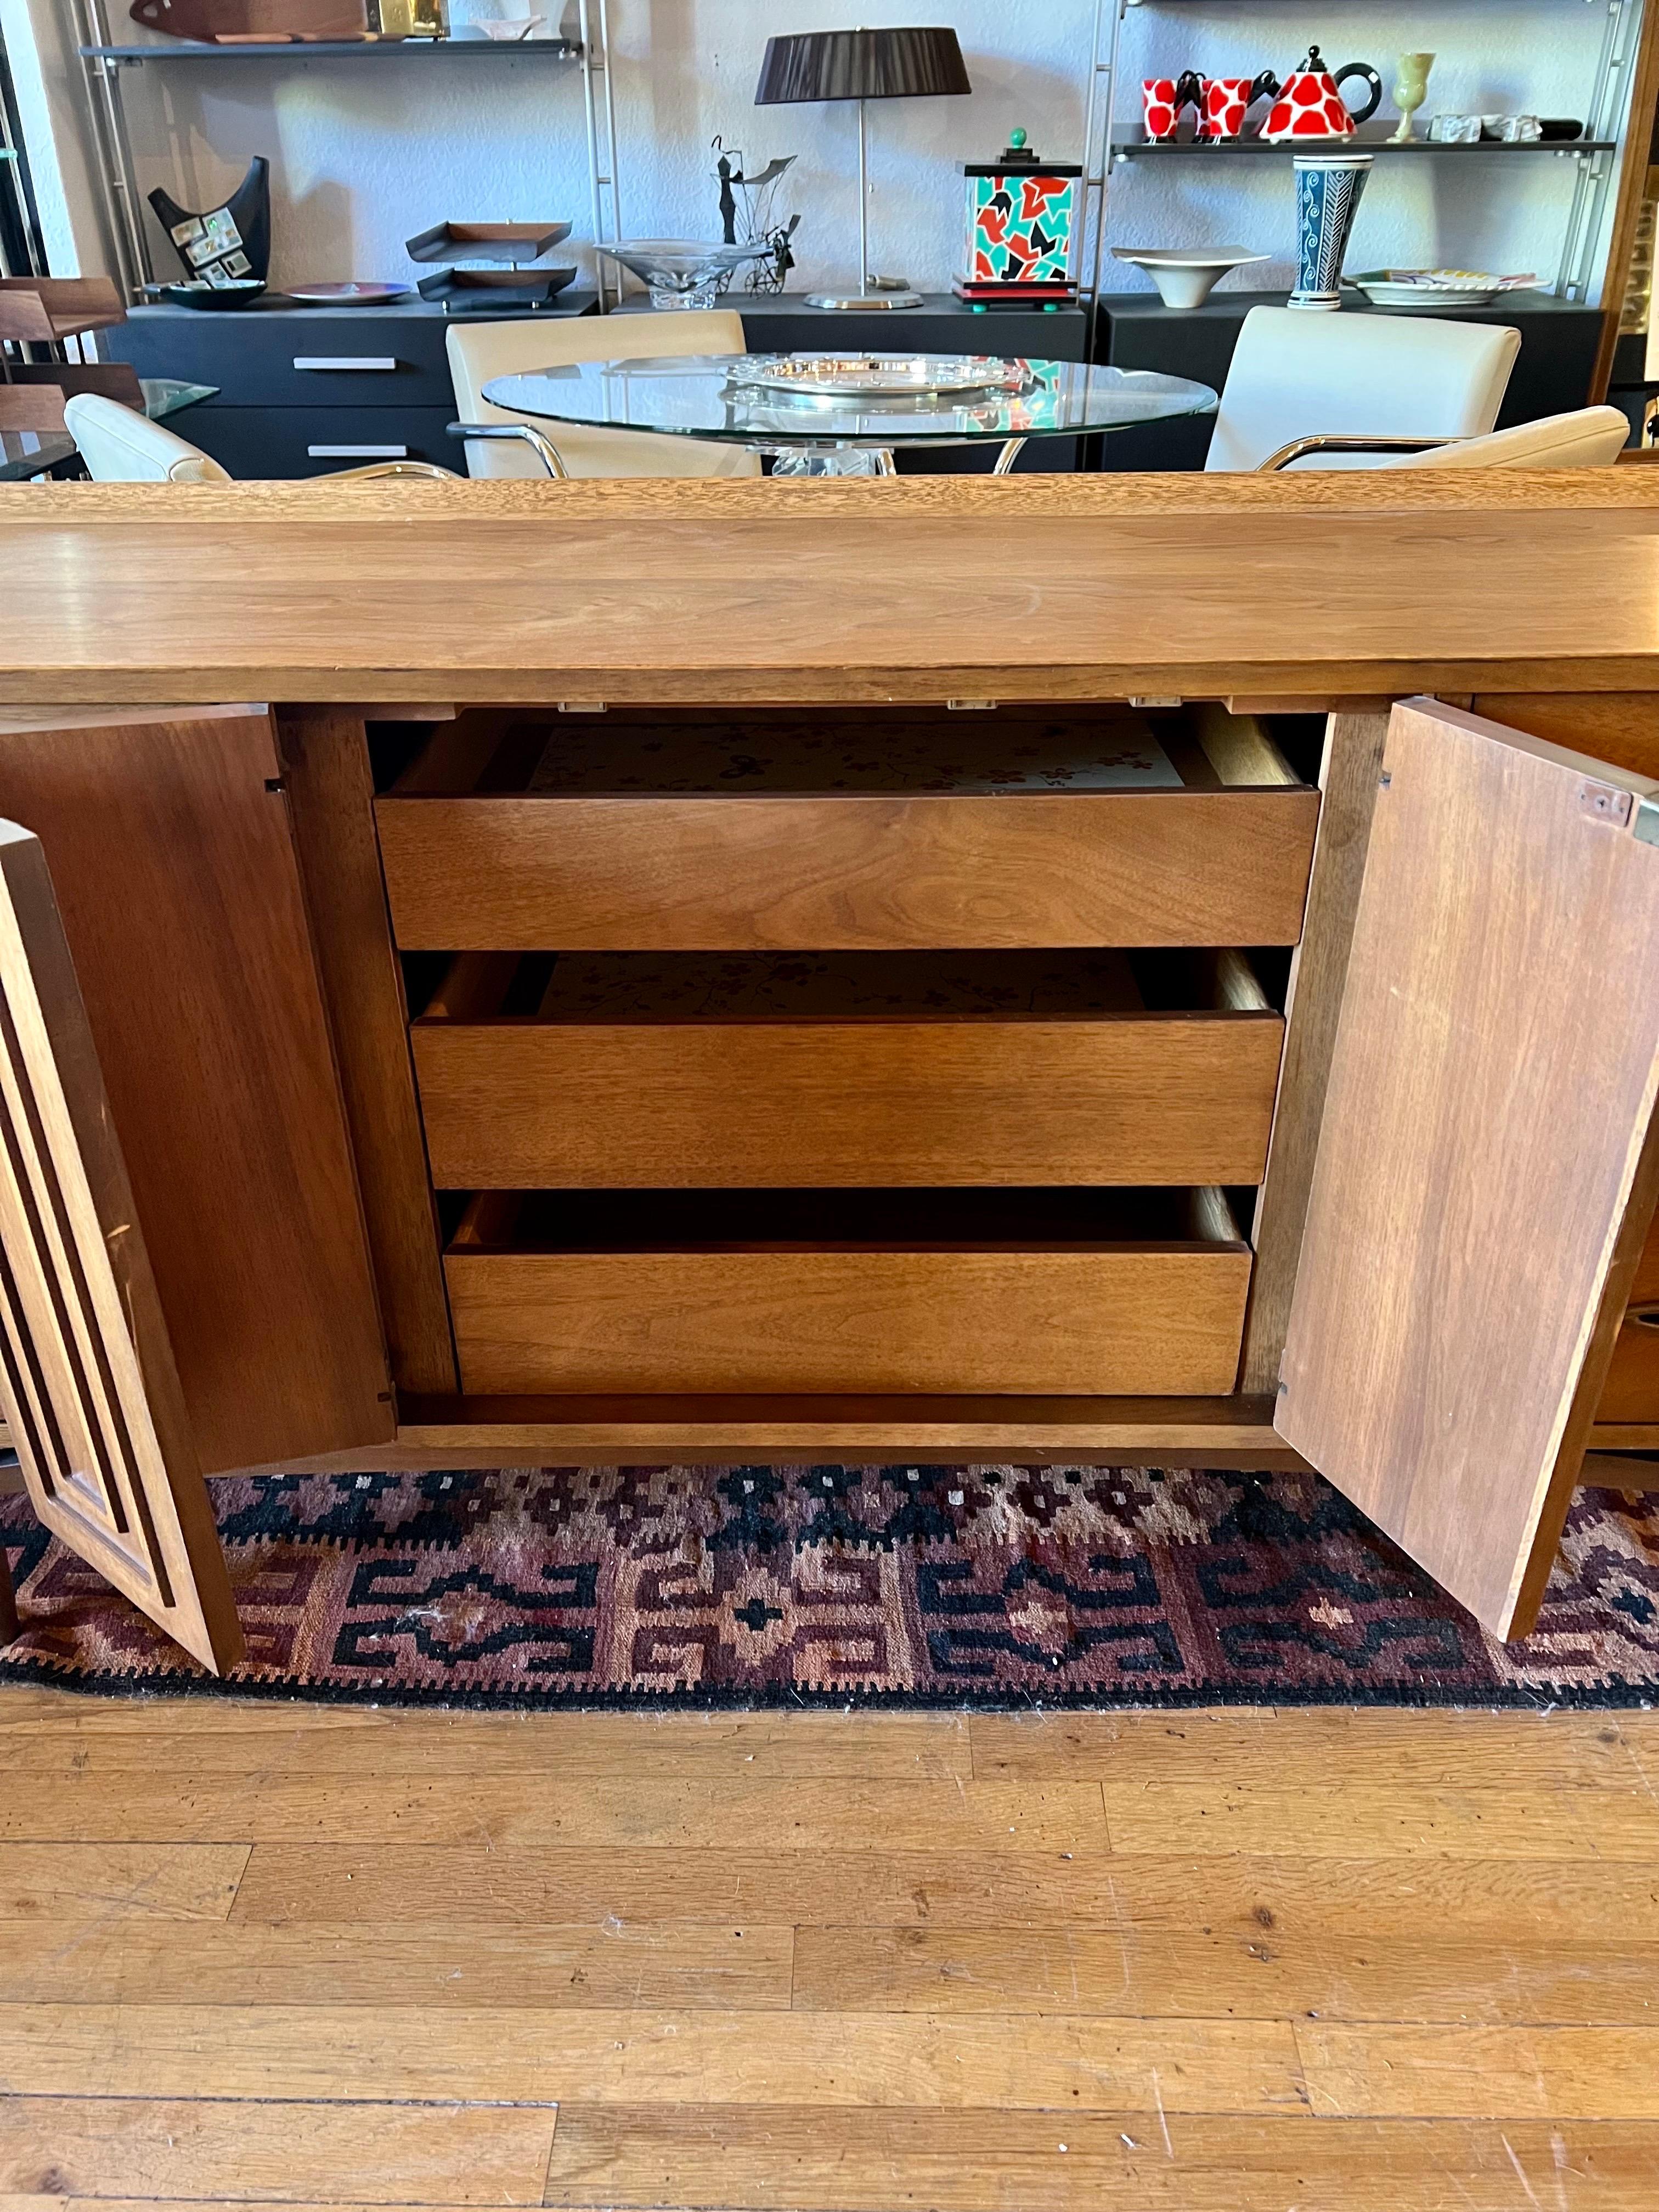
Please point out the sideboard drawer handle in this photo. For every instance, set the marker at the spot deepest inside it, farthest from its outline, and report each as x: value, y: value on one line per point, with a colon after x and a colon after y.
x: 344, y: 361
x: 358, y: 452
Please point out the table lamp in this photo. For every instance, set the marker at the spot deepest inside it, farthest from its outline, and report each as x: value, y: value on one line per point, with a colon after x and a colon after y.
x: 861, y: 66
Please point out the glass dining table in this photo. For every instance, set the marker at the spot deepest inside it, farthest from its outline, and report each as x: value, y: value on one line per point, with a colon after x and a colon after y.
x: 849, y: 415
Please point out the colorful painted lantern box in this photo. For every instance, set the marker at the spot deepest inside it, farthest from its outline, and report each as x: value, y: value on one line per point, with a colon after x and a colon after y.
x: 1021, y: 211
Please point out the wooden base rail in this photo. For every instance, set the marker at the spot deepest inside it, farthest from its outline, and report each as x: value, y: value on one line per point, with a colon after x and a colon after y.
x: 1223, y: 1432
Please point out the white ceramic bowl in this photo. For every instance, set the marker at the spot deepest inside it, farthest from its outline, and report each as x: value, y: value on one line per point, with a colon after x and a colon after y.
x: 506, y: 30
x: 1186, y: 275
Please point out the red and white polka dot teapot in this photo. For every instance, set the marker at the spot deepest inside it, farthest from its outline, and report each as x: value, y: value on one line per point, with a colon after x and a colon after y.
x: 1309, y: 103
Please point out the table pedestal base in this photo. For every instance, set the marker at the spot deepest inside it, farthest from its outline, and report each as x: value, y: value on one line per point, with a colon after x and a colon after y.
x: 875, y: 461
x: 847, y: 462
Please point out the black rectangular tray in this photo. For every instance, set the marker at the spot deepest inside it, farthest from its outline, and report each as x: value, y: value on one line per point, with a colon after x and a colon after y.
x: 462, y: 291
x: 486, y: 241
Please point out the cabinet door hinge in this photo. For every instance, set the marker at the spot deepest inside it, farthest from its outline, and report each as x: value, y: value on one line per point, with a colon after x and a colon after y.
x: 1604, y: 802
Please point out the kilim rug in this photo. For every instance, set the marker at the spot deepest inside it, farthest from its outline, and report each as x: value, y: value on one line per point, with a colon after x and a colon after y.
x: 983, y: 1586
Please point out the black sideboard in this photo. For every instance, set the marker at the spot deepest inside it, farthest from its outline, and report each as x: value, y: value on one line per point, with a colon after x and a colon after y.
x: 1559, y: 341
x: 302, y: 392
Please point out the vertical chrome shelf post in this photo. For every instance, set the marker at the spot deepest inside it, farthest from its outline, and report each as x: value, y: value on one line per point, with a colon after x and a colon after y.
x: 1610, y: 118
x: 599, y: 110
x: 1099, y: 109
x: 89, y: 26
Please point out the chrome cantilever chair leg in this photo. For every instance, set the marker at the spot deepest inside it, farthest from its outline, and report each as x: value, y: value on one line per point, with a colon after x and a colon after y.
x: 371, y: 469
x: 1340, y: 442
x: 388, y: 467
x: 526, y: 436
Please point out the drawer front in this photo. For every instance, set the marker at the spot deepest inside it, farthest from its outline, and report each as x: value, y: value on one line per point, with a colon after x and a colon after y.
x: 742, y: 873
x: 346, y: 358
x: 1120, y: 1322
x: 281, y: 443
x: 1164, y: 1099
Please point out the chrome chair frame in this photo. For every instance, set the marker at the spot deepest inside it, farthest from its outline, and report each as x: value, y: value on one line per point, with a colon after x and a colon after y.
x: 525, y: 433
x: 1345, y: 442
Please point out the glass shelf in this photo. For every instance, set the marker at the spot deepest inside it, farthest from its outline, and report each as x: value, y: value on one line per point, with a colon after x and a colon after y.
x: 307, y: 50
x: 1165, y: 149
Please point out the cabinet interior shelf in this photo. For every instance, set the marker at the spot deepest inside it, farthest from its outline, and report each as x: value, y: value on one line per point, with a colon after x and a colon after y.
x: 302, y: 49
x: 1165, y: 149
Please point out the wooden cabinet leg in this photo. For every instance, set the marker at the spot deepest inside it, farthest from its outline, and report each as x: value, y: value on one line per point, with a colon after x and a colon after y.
x: 7, y: 1602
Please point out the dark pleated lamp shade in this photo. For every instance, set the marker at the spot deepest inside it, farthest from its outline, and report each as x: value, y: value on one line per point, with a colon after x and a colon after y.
x: 860, y: 66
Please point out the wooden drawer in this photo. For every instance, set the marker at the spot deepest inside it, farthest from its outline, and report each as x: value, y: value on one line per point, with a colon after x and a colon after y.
x: 1137, y: 1293
x: 642, y: 1071
x: 880, y: 830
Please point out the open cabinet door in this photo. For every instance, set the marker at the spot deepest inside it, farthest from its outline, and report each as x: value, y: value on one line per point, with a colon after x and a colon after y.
x: 87, y: 1373
x: 1486, y: 1171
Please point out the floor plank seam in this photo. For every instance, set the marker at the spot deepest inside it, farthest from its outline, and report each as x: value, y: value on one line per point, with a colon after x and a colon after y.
x: 334, y: 2104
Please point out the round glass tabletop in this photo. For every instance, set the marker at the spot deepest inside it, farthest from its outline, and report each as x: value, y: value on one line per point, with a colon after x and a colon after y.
x: 723, y: 396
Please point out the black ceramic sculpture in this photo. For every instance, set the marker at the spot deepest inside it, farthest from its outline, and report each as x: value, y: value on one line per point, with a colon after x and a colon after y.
x: 229, y: 243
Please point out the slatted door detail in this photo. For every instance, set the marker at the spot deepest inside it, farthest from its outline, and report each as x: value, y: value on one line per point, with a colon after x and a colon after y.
x: 87, y: 1375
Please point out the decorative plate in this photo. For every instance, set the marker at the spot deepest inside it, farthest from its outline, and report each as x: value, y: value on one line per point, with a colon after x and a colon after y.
x: 347, y: 296
x: 1429, y: 289
x: 862, y: 376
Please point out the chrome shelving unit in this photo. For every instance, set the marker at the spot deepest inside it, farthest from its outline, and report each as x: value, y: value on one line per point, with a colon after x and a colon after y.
x: 1595, y: 156
x: 104, y: 65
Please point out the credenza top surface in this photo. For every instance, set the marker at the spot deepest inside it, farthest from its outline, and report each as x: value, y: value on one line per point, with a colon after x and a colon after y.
x: 921, y: 588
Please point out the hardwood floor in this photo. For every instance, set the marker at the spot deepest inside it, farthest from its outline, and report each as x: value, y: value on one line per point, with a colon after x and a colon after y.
x: 1218, y: 1962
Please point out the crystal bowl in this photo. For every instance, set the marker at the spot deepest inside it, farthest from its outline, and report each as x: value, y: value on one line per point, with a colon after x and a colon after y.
x: 683, y: 272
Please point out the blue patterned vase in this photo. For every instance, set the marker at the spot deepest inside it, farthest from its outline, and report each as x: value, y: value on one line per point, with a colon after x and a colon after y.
x: 1328, y: 188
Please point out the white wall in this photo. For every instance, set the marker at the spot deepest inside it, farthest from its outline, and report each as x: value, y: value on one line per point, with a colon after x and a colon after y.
x: 365, y: 153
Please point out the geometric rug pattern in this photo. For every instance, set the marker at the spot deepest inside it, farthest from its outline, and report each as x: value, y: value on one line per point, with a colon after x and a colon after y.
x: 986, y: 1586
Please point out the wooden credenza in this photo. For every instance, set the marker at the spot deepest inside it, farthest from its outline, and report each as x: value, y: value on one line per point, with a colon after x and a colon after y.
x: 879, y: 1044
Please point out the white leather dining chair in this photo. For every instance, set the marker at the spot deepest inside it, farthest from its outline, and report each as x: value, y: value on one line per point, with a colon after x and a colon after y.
x: 1296, y: 375
x: 120, y: 446
x: 1588, y: 438
x: 480, y: 350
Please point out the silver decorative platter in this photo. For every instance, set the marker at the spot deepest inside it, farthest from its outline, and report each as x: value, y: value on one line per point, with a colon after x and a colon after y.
x: 878, y: 375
